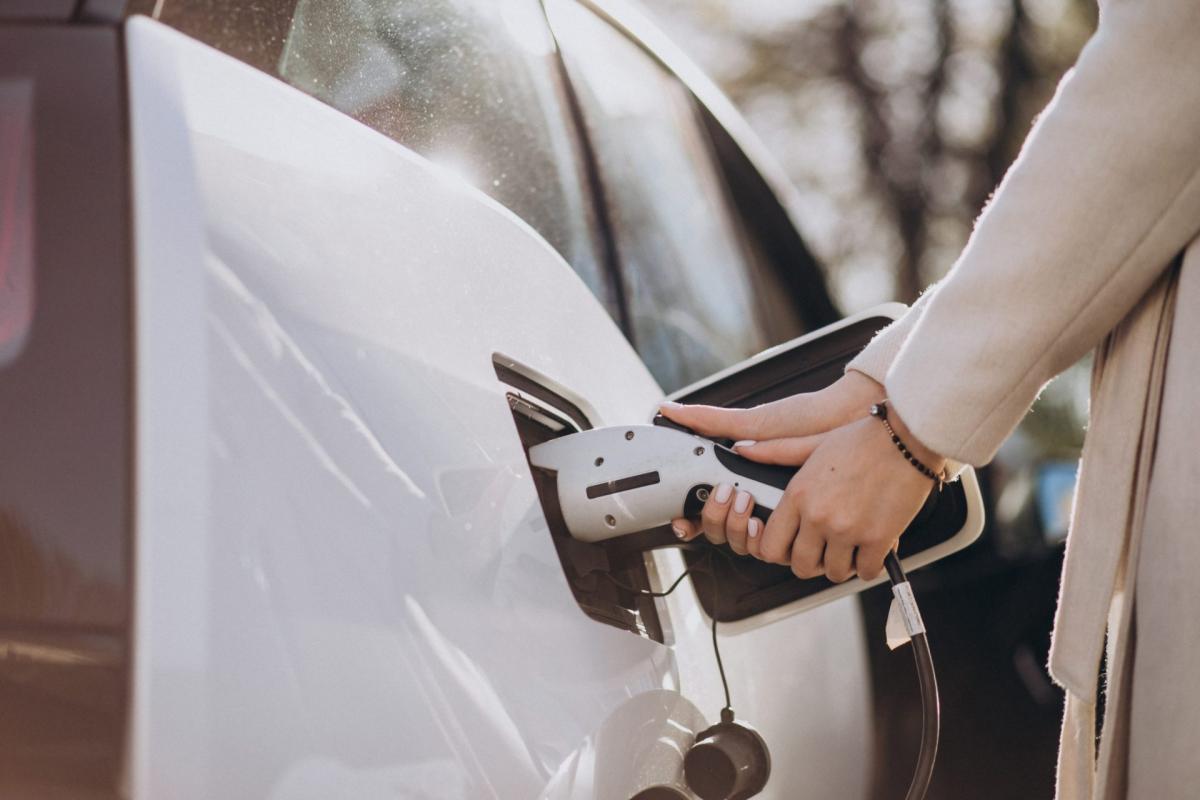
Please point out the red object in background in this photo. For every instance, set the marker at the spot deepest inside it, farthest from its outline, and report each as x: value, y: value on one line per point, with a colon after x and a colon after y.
x: 16, y: 216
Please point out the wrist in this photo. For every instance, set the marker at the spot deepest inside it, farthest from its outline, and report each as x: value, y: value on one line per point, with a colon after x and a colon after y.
x: 852, y: 394
x: 911, y: 446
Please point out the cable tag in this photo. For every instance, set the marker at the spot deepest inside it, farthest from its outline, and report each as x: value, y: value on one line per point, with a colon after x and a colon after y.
x: 904, y: 618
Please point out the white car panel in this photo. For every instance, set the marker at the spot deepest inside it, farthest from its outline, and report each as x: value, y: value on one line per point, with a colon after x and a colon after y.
x: 345, y: 586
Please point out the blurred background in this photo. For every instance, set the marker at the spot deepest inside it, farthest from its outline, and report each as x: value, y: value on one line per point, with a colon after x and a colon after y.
x: 895, y: 120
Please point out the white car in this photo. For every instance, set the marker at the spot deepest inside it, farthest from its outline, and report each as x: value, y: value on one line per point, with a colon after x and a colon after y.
x: 288, y: 290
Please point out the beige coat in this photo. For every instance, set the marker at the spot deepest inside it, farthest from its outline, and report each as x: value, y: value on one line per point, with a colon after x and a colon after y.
x: 1078, y: 250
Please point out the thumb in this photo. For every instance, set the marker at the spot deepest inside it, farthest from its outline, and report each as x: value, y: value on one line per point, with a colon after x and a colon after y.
x: 714, y: 421
x: 791, y: 450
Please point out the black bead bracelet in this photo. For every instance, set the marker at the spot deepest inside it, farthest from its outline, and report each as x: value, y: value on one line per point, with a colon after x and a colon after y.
x: 879, y: 410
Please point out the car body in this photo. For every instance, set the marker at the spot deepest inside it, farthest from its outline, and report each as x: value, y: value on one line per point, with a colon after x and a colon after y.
x: 272, y: 518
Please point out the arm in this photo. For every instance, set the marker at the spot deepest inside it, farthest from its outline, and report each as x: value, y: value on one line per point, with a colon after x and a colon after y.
x: 1105, y: 192
x: 878, y: 356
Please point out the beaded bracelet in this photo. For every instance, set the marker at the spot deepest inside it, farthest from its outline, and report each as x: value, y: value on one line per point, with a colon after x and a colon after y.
x: 879, y: 410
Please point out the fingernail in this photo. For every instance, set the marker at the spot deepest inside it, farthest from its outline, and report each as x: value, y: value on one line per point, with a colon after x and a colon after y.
x: 742, y: 502
x: 679, y: 532
x: 670, y: 404
x: 744, y: 443
x: 754, y: 528
x: 723, y: 492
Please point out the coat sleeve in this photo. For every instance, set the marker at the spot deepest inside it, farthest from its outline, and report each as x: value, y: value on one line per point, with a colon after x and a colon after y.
x: 1105, y: 192
x: 877, y: 357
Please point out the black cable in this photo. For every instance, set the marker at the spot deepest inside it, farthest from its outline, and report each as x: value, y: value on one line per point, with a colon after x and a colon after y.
x: 716, y: 604
x: 930, y: 706
x: 647, y: 592
x: 717, y: 648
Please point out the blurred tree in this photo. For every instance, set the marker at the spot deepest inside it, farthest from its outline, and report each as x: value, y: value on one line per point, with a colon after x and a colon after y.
x: 894, y: 118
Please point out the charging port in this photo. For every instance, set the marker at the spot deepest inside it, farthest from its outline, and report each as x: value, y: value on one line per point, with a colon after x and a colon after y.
x: 606, y: 579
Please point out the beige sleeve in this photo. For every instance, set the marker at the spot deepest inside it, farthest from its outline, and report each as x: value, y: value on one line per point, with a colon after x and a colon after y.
x: 1105, y: 192
x: 876, y: 358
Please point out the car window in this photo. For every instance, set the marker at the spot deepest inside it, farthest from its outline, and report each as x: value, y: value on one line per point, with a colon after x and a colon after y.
x: 473, y: 85
x: 687, y: 269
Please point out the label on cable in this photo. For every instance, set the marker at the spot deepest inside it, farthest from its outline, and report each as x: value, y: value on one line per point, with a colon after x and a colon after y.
x: 904, y: 618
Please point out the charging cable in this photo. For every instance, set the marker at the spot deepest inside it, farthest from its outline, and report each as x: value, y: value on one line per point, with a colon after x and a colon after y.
x: 907, y: 604
x: 930, y: 707
x: 695, y: 568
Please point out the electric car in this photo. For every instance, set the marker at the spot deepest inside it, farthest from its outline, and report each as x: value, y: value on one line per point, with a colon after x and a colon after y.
x: 289, y: 288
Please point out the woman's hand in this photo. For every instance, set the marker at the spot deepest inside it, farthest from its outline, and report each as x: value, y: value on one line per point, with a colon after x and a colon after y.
x: 783, y: 432
x: 849, y: 503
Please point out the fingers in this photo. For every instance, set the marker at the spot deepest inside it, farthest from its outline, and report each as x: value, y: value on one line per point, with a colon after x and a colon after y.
x: 754, y: 529
x: 725, y: 520
x: 797, y: 415
x: 808, y: 552
x: 684, y: 529
x: 839, y: 561
x: 791, y: 450
x: 715, y: 512
x: 734, y: 423
x: 868, y: 561
x: 775, y: 544
x: 737, y: 522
